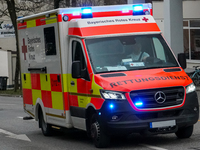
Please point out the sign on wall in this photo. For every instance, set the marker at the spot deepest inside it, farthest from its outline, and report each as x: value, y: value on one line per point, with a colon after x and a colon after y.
x: 6, y: 29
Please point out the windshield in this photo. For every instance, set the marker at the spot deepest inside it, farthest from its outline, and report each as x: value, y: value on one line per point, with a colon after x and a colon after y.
x: 129, y: 53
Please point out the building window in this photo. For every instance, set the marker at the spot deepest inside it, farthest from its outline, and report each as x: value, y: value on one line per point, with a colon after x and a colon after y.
x: 185, y: 23
x: 50, y: 43
x: 191, y: 32
x: 195, y: 43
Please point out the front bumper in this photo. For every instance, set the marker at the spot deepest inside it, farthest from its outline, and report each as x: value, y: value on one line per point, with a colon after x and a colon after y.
x: 121, y: 118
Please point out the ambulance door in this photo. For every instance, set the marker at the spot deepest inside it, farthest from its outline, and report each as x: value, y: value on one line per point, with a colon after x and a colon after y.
x: 52, y: 92
x: 78, y: 87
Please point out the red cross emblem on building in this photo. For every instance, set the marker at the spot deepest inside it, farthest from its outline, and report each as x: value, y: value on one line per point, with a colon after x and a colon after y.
x: 145, y: 19
x: 24, y: 49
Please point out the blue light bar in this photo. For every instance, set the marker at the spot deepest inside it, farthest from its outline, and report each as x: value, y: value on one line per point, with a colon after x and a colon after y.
x: 138, y: 10
x: 86, y: 12
x: 139, y: 104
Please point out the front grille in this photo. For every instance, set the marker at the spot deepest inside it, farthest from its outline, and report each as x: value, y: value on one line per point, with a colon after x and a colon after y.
x: 174, y: 96
x: 160, y: 114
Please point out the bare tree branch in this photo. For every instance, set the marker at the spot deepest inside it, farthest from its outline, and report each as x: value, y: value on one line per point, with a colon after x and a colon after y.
x: 9, y: 7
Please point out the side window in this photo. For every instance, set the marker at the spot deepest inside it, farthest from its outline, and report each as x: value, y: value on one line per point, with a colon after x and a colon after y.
x: 159, y: 49
x: 77, y: 54
x: 49, y: 39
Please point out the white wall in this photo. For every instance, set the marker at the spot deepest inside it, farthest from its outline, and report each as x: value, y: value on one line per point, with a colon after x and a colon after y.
x: 191, y: 9
x: 8, y: 43
x: 158, y: 10
x: 3, y: 63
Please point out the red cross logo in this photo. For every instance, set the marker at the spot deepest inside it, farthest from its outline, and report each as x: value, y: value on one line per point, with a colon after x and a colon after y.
x: 145, y: 19
x: 24, y: 49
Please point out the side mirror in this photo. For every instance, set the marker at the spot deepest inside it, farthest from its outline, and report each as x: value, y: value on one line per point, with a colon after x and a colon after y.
x: 182, y: 60
x: 77, y: 72
x: 76, y: 69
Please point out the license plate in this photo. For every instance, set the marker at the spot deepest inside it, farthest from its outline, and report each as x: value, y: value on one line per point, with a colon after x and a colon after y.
x: 162, y: 124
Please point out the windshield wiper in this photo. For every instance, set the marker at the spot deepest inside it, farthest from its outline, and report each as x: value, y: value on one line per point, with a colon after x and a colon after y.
x: 111, y: 71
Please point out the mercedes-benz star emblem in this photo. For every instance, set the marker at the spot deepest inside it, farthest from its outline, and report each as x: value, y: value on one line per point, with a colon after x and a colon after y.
x: 160, y: 97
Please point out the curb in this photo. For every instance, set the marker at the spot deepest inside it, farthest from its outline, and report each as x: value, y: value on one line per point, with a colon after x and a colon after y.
x: 10, y: 95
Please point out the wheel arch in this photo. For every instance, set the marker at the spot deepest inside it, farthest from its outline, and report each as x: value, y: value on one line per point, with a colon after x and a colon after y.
x: 39, y: 106
x: 89, y: 112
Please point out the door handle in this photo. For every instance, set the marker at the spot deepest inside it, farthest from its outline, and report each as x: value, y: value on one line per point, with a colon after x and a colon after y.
x: 72, y: 83
x: 24, y: 76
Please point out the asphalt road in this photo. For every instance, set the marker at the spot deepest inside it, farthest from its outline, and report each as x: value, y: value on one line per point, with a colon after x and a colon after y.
x: 19, y: 134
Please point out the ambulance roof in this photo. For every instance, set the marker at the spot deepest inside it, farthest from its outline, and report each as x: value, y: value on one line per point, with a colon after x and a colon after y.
x: 113, y: 25
x: 96, y: 10
x: 97, y: 20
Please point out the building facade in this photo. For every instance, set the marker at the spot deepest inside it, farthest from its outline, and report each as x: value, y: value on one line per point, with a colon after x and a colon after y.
x: 191, y: 28
x: 7, y: 50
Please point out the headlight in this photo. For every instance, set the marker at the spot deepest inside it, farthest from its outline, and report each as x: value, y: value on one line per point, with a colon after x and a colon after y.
x: 112, y: 95
x: 190, y: 88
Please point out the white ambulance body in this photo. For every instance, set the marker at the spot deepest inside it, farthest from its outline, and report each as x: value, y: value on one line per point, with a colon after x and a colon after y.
x: 72, y: 76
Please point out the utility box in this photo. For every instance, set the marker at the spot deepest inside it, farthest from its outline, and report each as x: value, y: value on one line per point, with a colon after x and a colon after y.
x: 3, y: 83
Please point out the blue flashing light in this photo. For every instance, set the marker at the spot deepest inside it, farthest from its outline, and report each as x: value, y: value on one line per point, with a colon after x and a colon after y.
x: 138, y: 10
x: 111, y: 106
x: 99, y: 113
x: 139, y: 104
x: 86, y: 12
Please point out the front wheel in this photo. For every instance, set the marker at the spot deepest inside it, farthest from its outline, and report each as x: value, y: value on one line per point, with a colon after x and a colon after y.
x: 45, y: 127
x: 100, y: 139
x: 185, y: 132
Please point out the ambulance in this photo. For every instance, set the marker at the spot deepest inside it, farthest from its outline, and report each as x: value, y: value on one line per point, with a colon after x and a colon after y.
x: 106, y: 70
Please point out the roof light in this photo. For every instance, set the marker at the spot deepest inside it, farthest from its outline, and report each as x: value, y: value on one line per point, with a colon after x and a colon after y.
x: 47, y: 15
x: 137, y: 9
x: 65, y: 18
x: 86, y: 12
x: 21, y: 21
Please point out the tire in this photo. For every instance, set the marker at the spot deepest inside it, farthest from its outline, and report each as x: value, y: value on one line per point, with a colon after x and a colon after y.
x: 45, y: 127
x: 186, y: 132
x: 100, y: 139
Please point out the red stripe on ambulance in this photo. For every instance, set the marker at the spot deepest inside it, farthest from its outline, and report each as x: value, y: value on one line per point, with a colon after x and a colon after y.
x: 111, y: 13
x: 114, y: 29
